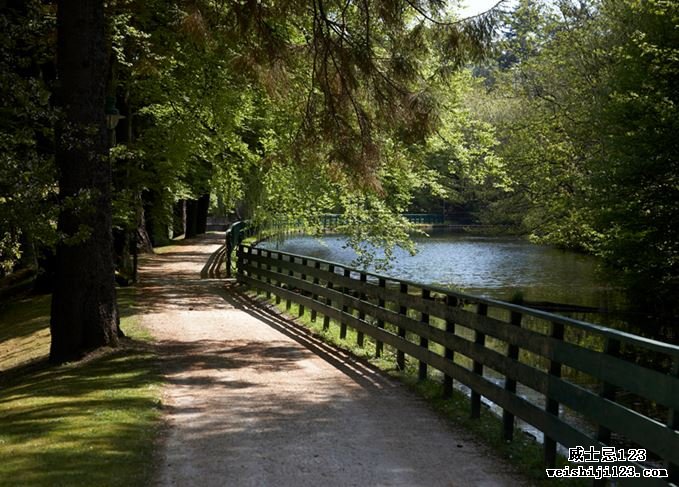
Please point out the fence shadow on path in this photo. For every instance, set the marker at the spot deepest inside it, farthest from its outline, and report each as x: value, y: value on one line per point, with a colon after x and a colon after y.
x: 362, y: 372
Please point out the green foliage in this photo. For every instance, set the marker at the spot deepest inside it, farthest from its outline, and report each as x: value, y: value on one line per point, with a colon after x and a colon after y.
x: 637, y: 172
x: 26, y: 166
x: 584, y: 103
x: 287, y: 110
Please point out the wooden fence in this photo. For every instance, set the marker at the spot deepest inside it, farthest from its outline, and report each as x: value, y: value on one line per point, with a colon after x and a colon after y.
x: 628, y: 402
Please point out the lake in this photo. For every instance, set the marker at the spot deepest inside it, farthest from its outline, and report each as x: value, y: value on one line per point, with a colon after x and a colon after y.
x: 496, y: 267
x: 499, y: 267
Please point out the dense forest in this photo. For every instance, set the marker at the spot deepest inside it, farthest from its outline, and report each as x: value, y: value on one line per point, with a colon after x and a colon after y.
x: 554, y: 119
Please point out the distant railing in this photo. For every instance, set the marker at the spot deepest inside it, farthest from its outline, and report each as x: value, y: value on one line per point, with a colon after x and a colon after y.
x: 331, y: 220
x: 463, y: 336
x: 424, y: 218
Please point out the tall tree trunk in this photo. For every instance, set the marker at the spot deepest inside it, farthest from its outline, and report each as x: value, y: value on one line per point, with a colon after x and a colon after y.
x: 179, y: 218
x: 202, y: 210
x: 191, y: 218
x: 84, y: 312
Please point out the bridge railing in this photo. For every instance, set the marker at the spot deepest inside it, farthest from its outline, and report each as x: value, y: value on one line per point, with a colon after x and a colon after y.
x: 331, y: 220
x: 571, y: 368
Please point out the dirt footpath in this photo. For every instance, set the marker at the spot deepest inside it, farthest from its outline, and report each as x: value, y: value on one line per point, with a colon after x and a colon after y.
x: 252, y: 400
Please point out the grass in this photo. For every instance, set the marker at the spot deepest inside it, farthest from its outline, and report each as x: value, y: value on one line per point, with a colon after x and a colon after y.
x: 524, y: 452
x: 24, y: 331
x: 94, y: 422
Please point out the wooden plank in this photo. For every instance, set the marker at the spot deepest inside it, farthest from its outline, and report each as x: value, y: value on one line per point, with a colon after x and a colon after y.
x: 658, y: 387
x: 608, y: 390
x: 673, y: 424
x: 361, y: 313
x: 279, y: 261
x: 477, y: 366
x: 240, y: 256
x: 345, y: 309
x: 268, y: 268
x: 644, y: 382
x: 646, y: 432
x: 551, y: 405
x: 303, y: 278
x: 424, y: 341
x: 380, y: 323
x: 449, y: 353
x: 403, y: 311
x: 288, y: 302
x: 478, y: 353
x: 317, y: 265
x: 328, y: 301
x: 510, y: 382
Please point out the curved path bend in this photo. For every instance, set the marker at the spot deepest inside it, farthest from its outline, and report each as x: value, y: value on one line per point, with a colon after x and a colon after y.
x: 251, y: 399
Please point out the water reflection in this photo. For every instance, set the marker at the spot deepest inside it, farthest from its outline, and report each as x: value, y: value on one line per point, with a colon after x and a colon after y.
x: 500, y: 267
x: 496, y: 267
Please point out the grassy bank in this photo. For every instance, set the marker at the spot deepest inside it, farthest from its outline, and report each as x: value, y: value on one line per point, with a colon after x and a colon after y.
x: 524, y: 452
x: 94, y: 422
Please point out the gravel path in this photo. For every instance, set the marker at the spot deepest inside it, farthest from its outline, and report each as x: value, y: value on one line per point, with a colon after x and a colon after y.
x: 253, y: 400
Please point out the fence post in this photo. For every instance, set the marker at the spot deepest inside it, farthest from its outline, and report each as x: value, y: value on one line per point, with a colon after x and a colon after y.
x: 328, y: 301
x: 229, y: 251
x: 240, y: 262
x: 477, y: 367
x: 268, y: 268
x: 303, y: 277
x: 317, y: 267
x: 673, y: 423
x: 361, y: 314
x: 380, y: 323
x: 402, y: 310
x: 345, y: 308
x: 288, y: 303
x: 551, y: 405
x: 608, y: 391
x: 510, y: 384
x: 280, y: 271
x: 424, y: 342
x: 449, y: 354
x: 256, y: 265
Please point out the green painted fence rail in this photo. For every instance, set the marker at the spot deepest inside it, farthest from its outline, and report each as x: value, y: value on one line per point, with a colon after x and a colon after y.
x: 235, y: 234
x: 451, y: 332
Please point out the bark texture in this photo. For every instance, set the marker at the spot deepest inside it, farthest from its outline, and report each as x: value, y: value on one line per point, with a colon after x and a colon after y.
x: 84, y: 312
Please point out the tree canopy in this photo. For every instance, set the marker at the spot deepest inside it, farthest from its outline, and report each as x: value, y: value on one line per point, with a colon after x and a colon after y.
x: 291, y: 108
x: 555, y: 119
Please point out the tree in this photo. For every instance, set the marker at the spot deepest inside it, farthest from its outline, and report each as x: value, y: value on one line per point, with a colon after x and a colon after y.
x: 586, y: 113
x: 27, y: 194
x: 636, y: 174
x: 331, y: 92
x: 84, y: 313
